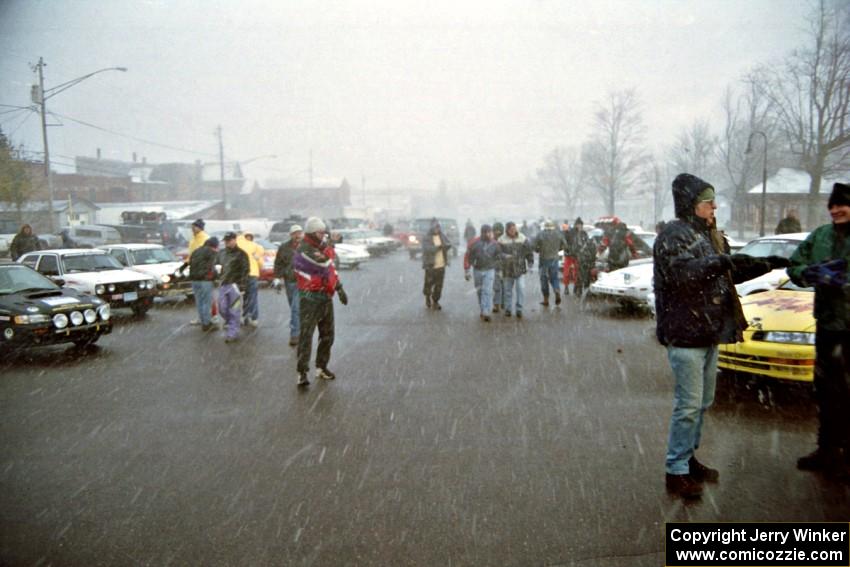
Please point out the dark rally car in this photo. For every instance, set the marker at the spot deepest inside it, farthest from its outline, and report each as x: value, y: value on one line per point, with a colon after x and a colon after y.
x: 35, y: 311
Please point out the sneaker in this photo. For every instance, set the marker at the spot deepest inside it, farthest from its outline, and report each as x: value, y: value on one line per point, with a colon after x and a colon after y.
x: 485, y: 318
x: 302, y: 379
x: 195, y: 322
x: 496, y: 308
x: 437, y: 306
x: 682, y: 485
x: 507, y: 313
x: 557, y: 298
x: 325, y: 374
x: 254, y: 323
x: 206, y: 328
x: 293, y: 341
x: 428, y: 302
x: 701, y: 473
x: 545, y: 302
x: 231, y: 339
x: 820, y: 460
x: 519, y: 314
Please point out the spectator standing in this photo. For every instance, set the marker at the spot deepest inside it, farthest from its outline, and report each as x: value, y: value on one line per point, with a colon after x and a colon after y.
x: 790, y: 224
x: 435, y: 259
x: 620, y: 245
x: 23, y: 242
x: 199, y: 237
x: 202, y: 274
x: 821, y: 261
x: 234, y: 279
x: 483, y: 256
x: 317, y: 283
x: 579, y: 258
x: 548, y: 244
x: 283, y: 269
x: 697, y: 309
x: 517, y: 257
x: 498, y: 289
x: 256, y: 255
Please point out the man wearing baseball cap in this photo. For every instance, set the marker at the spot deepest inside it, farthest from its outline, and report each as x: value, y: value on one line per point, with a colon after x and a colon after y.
x: 234, y: 279
x: 284, y: 271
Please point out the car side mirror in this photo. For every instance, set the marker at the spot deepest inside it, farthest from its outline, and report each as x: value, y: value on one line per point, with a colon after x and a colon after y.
x: 58, y: 281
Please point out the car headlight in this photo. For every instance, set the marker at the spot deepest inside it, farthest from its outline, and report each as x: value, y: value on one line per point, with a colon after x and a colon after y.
x: 166, y: 278
x: 32, y: 318
x: 60, y: 320
x: 99, y: 289
x: 411, y: 238
x: 104, y: 311
x: 788, y: 337
x: 90, y: 316
x: 151, y: 284
x: 111, y: 287
x: 77, y: 318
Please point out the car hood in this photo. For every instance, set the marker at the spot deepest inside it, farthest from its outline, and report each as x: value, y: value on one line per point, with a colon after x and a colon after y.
x: 47, y: 300
x: 780, y: 310
x: 158, y: 270
x: 770, y: 280
x: 630, y: 274
x: 104, y: 277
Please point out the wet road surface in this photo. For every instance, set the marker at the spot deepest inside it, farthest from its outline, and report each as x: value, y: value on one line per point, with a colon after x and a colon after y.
x: 444, y: 440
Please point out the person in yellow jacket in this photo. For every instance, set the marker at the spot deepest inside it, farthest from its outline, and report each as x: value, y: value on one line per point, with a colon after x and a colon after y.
x: 255, y: 253
x: 199, y: 237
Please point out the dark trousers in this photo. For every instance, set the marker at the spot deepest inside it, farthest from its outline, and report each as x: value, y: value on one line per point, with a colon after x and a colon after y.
x: 315, y: 311
x: 832, y: 388
x: 434, y: 283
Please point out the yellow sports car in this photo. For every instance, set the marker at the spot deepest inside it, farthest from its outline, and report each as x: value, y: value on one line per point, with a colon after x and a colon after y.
x: 780, y: 339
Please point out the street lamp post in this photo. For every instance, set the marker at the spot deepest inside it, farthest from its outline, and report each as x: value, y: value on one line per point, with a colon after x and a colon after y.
x: 763, y: 176
x: 40, y: 98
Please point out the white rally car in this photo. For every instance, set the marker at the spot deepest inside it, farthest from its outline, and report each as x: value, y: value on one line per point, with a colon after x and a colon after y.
x: 156, y: 261
x: 630, y: 285
x: 94, y: 272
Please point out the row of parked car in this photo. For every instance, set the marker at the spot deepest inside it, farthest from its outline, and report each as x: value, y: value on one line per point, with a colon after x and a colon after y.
x: 779, y: 341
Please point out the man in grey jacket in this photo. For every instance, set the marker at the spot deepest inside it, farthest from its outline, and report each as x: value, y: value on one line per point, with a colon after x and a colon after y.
x: 548, y: 243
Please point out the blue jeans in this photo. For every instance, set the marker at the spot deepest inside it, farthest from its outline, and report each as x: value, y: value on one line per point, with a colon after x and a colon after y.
x: 252, y: 302
x: 549, y: 275
x: 484, y: 286
x: 695, y: 374
x: 293, y: 297
x: 203, y: 300
x: 498, y: 289
x: 508, y: 290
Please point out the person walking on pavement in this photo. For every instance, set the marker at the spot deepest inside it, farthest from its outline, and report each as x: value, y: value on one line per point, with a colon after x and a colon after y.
x: 256, y: 254
x: 697, y: 309
x: 202, y: 274
x: 234, y: 280
x: 284, y: 270
x: 23, y: 242
x: 579, y: 258
x: 483, y: 256
x: 821, y: 260
x: 317, y: 282
x: 435, y: 259
x: 498, y: 289
x: 469, y: 231
x: 517, y: 257
x: 547, y: 244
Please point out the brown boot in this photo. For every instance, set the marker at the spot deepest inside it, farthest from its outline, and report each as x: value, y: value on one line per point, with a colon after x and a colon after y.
x: 683, y: 485
x: 545, y: 302
x: 701, y: 473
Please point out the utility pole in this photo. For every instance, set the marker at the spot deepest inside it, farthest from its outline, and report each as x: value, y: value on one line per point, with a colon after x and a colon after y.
x: 42, y: 103
x: 221, y: 170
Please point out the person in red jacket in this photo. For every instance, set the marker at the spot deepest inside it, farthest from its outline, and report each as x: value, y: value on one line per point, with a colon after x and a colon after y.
x: 317, y: 282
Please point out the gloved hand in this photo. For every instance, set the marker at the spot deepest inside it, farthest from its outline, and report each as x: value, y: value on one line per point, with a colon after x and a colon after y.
x: 831, y: 273
x: 467, y: 276
x: 778, y: 262
x: 747, y: 262
x: 343, y: 297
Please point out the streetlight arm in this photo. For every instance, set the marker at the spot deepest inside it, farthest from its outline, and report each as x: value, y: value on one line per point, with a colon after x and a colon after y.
x: 51, y: 92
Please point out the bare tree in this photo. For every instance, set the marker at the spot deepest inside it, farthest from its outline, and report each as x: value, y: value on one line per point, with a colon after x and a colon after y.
x: 744, y: 114
x: 652, y: 178
x: 615, y: 153
x: 810, y: 96
x: 15, y: 185
x: 693, y: 150
x: 562, y: 173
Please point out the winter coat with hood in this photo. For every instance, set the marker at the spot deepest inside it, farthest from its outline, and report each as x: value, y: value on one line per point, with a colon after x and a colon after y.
x: 314, y: 267
x: 429, y: 249
x: 23, y: 243
x: 695, y: 298
x: 516, y: 254
x: 482, y: 254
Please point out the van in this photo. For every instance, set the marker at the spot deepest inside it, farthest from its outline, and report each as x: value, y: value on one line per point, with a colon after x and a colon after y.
x: 90, y: 236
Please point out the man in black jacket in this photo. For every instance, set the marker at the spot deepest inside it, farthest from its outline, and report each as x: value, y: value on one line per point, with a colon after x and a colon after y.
x: 25, y: 241
x: 202, y: 273
x: 435, y: 259
x: 234, y: 281
x: 283, y: 269
x: 697, y: 309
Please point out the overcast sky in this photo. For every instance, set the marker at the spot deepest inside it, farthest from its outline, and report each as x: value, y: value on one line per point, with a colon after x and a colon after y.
x: 402, y: 93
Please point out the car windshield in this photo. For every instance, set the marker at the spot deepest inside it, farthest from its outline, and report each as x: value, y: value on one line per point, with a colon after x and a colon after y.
x: 771, y: 247
x: 90, y: 263
x: 153, y: 256
x: 15, y: 279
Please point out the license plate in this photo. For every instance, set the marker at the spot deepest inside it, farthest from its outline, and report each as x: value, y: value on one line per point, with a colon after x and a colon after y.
x: 131, y: 296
